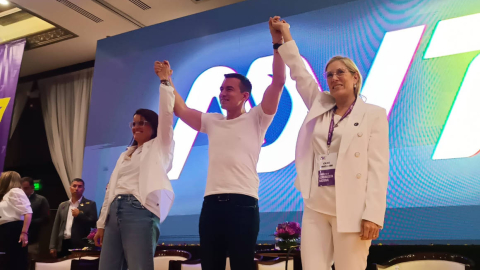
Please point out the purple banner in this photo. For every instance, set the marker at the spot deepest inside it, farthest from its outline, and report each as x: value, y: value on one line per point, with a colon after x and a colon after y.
x: 11, y: 55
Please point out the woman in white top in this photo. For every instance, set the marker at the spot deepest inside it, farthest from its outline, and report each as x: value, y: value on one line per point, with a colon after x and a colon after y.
x: 342, y: 162
x: 139, y: 194
x: 15, y: 217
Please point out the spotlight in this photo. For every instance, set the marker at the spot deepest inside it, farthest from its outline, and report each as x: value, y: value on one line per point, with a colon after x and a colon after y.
x: 4, y: 2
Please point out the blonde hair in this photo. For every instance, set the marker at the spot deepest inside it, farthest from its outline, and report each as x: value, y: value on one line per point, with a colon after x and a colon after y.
x: 9, y: 180
x: 351, y: 67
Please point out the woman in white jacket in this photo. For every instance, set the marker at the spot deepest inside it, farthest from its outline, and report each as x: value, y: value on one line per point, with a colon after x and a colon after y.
x: 342, y: 162
x: 139, y: 194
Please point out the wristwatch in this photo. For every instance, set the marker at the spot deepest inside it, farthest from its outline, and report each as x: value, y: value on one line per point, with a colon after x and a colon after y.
x: 277, y: 45
x: 166, y: 82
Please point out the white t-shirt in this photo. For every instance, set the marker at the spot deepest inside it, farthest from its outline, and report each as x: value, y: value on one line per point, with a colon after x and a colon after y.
x: 67, y: 234
x: 322, y: 199
x: 234, y: 148
x: 129, y: 172
x: 14, y: 205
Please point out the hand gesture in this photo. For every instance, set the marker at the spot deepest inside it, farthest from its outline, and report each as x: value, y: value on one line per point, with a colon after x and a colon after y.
x: 98, y: 239
x: 23, y: 239
x: 280, y: 25
x: 75, y: 212
x: 276, y: 34
x: 53, y: 252
x: 369, y: 230
x: 163, y: 70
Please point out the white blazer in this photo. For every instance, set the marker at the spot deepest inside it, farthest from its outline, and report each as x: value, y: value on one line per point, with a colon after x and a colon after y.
x: 155, y: 189
x: 361, y: 176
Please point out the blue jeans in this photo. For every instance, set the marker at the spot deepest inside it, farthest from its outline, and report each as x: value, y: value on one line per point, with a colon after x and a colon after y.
x: 131, y: 235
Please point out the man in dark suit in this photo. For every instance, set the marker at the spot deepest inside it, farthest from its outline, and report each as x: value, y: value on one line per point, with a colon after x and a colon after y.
x: 41, y: 212
x: 73, y: 221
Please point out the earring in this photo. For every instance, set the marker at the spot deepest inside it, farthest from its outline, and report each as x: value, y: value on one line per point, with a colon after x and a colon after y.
x: 355, y: 86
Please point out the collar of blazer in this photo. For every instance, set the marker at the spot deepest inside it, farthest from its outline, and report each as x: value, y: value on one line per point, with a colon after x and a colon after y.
x: 146, y: 146
x: 325, y: 102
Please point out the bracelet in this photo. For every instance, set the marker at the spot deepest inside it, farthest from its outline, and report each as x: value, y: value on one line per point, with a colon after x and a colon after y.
x: 24, y: 233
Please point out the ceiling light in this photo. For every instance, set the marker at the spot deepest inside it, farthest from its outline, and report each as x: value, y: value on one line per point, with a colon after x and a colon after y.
x: 4, y: 2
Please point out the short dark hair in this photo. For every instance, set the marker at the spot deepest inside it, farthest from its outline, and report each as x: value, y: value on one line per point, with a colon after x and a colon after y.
x: 152, y: 118
x: 28, y: 179
x: 78, y: 180
x: 245, y: 84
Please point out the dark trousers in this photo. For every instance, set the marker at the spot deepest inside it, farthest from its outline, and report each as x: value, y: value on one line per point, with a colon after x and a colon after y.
x: 229, y: 225
x: 12, y: 255
x: 66, y: 245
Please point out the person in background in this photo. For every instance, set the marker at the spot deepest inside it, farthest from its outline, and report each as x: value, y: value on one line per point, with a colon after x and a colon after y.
x: 342, y: 162
x: 73, y: 222
x: 40, y: 217
x: 15, y: 217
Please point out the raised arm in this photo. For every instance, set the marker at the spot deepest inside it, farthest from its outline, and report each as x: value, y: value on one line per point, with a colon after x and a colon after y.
x: 272, y: 95
x: 307, y: 86
x: 191, y: 117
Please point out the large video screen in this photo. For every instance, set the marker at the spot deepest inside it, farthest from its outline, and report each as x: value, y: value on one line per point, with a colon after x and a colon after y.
x: 420, y: 61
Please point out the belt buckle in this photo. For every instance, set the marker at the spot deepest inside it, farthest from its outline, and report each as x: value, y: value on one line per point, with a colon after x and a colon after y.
x: 223, y: 200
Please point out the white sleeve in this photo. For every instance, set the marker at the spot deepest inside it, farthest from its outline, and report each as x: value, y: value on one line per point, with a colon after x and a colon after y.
x: 378, y: 168
x: 206, y: 118
x: 263, y: 119
x: 165, y: 126
x: 306, y: 84
x: 19, y: 201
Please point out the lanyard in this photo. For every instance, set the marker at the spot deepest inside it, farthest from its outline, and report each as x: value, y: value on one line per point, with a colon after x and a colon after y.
x: 333, y: 125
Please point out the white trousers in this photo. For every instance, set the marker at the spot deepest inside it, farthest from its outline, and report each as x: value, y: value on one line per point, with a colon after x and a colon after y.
x: 322, y: 244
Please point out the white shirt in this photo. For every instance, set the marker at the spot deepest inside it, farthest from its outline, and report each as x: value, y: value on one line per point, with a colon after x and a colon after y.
x: 128, y: 173
x: 322, y: 199
x: 14, y: 206
x: 67, y: 234
x: 234, y: 149
x: 156, y: 192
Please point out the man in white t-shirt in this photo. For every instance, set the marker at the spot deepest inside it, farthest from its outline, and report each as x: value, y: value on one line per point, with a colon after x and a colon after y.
x: 229, y: 222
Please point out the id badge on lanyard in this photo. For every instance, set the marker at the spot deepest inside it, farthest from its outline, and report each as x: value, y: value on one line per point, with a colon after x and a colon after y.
x: 326, y: 165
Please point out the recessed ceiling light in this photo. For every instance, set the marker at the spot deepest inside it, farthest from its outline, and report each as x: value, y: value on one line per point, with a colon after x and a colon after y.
x: 4, y: 2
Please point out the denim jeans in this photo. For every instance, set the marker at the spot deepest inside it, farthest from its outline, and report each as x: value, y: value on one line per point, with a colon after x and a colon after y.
x: 131, y: 235
x: 229, y: 225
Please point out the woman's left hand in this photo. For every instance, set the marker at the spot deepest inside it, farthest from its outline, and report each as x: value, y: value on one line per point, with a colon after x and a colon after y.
x: 276, y: 34
x: 23, y: 239
x: 369, y: 230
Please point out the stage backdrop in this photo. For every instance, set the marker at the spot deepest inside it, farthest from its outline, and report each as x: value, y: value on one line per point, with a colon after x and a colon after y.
x: 420, y: 60
x: 11, y: 55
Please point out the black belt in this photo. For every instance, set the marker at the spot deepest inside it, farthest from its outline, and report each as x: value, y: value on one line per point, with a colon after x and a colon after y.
x: 232, y: 198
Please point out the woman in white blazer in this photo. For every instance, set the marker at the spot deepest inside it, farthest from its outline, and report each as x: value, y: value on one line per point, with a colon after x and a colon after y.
x: 139, y: 194
x: 342, y: 162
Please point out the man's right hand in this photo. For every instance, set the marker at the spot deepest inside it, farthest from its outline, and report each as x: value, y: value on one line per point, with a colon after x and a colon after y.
x: 53, y: 252
x: 163, y: 70
x: 98, y: 239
